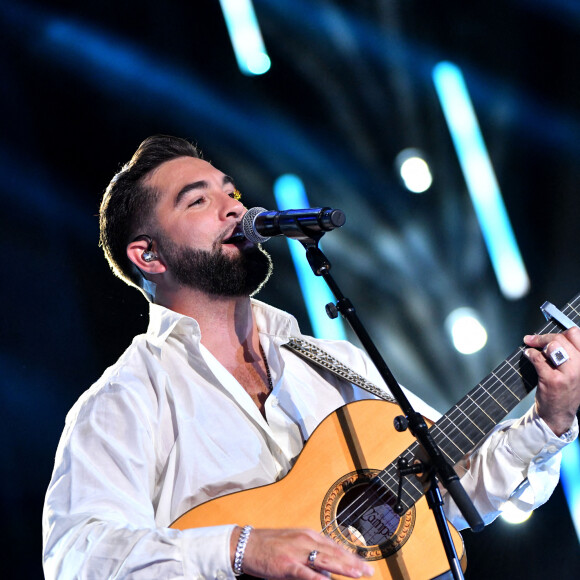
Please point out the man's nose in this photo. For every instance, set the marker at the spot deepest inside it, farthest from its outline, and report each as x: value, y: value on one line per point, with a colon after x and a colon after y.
x: 232, y: 208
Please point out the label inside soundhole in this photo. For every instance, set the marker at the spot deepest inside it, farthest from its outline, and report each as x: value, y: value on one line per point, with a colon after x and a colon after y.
x: 358, y: 514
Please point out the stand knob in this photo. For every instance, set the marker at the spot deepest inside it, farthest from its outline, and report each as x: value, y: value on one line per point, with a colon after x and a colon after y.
x: 401, y: 423
x: 331, y: 310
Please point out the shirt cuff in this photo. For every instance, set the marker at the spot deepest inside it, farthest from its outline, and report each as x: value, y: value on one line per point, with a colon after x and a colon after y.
x: 531, y: 440
x: 206, y: 553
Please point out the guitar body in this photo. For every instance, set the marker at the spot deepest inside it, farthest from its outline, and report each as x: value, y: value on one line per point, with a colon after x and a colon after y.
x: 328, y: 489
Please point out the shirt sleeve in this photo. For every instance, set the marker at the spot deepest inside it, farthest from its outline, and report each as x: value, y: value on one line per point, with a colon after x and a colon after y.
x: 99, y: 513
x: 517, y: 463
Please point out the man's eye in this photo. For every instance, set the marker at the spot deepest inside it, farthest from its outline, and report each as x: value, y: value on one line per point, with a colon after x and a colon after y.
x: 236, y: 195
x: 196, y: 201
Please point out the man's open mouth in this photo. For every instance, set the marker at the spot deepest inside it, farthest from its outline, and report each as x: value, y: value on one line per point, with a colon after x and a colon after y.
x: 235, y: 238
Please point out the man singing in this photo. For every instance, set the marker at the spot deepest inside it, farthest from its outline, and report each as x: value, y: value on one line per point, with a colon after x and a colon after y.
x: 209, y: 401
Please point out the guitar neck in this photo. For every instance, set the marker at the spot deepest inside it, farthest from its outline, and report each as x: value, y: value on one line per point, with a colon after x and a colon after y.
x: 473, y: 417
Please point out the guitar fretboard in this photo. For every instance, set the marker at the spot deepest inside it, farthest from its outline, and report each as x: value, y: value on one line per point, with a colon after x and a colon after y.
x: 473, y: 417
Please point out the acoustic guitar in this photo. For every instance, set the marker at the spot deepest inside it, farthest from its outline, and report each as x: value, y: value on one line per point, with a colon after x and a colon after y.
x: 340, y: 485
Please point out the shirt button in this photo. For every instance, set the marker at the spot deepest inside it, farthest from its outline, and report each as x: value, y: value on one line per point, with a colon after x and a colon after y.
x: 552, y: 449
x: 221, y: 575
x: 274, y: 401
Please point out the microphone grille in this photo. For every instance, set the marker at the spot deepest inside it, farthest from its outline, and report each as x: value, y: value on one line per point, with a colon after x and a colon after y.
x: 248, y: 227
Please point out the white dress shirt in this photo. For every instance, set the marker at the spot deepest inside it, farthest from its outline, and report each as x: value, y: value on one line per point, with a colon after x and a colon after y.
x: 168, y: 427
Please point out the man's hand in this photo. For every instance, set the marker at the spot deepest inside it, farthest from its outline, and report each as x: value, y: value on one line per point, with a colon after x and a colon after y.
x: 284, y: 554
x: 558, y: 393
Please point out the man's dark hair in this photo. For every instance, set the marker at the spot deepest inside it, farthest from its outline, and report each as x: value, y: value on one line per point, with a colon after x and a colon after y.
x: 128, y: 202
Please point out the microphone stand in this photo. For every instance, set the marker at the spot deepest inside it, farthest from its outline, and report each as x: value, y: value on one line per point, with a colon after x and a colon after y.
x: 441, y: 470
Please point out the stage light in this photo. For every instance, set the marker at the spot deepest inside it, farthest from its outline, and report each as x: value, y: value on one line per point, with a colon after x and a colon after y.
x: 290, y: 194
x: 246, y: 37
x: 481, y: 181
x: 414, y: 170
x: 466, y: 331
x: 512, y: 515
x: 569, y: 479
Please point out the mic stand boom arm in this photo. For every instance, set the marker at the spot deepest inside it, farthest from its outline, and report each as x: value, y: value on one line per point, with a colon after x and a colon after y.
x: 441, y: 469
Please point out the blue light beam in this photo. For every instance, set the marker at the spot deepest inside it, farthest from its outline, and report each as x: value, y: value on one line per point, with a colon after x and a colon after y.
x: 569, y: 478
x: 290, y: 194
x: 246, y: 37
x: 481, y: 181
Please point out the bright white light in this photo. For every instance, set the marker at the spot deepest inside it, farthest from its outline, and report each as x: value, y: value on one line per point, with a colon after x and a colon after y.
x: 414, y: 170
x: 258, y: 63
x: 511, y: 514
x: 246, y: 36
x: 481, y: 182
x: 467, y: 332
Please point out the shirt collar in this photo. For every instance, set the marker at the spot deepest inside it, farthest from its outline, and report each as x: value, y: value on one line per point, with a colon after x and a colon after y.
x: 164, y: 322
x: 274, y: 322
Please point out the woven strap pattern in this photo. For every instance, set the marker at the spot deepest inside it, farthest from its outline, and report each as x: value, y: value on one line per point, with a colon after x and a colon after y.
x: 320, y: 357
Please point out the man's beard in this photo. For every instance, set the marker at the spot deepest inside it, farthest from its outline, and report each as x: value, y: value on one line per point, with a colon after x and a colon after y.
x: 216, y: 273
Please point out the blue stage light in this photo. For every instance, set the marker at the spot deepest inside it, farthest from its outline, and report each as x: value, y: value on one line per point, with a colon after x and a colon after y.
x: 246, y: 37
x: 481, y: 181
x: 290, y: 194
x: 569, y: 473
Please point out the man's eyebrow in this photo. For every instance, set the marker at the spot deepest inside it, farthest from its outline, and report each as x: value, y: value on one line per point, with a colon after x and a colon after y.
x: 202, y: 184
x: 190, y: 187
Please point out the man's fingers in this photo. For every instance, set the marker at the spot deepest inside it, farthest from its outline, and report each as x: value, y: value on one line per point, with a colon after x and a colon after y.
x: 301, y: 554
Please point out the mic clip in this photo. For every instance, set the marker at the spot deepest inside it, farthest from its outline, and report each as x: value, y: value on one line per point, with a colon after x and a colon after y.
x: 405, y: 469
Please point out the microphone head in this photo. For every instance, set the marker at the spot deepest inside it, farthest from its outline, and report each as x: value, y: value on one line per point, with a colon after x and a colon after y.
x: 248, y: 227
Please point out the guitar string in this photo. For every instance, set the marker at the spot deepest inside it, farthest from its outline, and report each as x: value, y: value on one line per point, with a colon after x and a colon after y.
x: 509, y: 370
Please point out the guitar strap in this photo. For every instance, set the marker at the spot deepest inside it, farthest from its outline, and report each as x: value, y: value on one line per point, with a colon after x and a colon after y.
x: 312, y: 353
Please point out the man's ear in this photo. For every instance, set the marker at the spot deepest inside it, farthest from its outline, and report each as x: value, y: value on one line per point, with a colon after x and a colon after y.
x: 144, y: 257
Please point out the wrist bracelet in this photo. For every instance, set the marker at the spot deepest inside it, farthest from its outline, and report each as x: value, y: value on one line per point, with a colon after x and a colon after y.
x: 240, y: 549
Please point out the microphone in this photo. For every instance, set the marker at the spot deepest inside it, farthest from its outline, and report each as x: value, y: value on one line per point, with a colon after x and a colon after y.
x: 259, y: 225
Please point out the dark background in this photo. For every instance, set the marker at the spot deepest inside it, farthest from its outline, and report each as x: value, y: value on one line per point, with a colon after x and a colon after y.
x: 350, y: 86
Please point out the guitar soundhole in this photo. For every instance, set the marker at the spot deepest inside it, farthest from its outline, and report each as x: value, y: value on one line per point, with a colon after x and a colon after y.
x: 359, y: 514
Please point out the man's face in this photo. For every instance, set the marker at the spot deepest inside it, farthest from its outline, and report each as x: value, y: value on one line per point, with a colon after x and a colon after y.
x: 196, y: 216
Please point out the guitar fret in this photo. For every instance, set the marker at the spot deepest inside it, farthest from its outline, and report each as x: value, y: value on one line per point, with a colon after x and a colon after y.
x: 464, y: 414
x: 495, y: 400
x: 451, y: 452
x: 470, y: 398
x: 452, y: 437
x: 467, y: 438
x: 508, y: 391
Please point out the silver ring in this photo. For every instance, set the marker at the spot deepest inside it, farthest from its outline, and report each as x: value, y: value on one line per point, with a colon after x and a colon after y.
x: 312, y: 558
x: 558, y: 356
